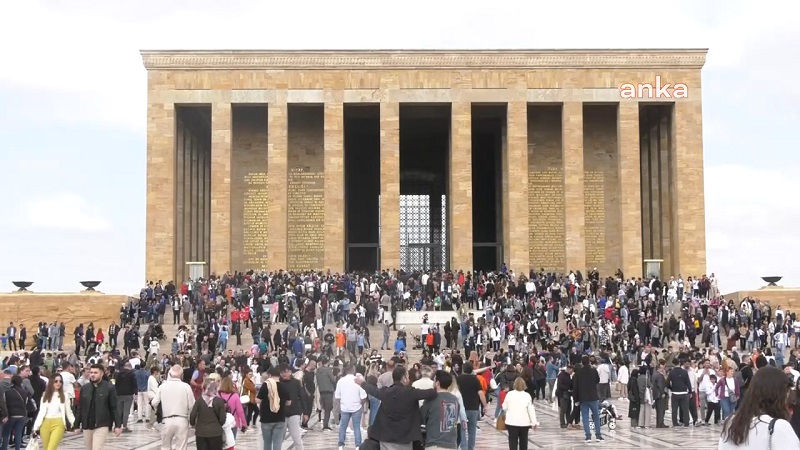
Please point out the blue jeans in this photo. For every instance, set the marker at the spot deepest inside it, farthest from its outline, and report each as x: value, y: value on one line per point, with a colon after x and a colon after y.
x: 585, y: 407
x: 727, y: 406
x: 17, y: 426
x: 272, y: 434
x: 468, y: 441
x: 356, y: 417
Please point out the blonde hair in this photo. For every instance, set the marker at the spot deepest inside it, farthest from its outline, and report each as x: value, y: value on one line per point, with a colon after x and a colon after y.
x: 226, y: 386
x: 520, y: 384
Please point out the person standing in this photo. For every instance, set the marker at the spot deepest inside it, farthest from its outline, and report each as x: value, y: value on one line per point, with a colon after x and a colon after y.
x: 442, y: 415
x: 295, y: 407
x: 584, y: 386
x: 680, y: 385
x: 142, y: 402
x: 54, y: 416
x: 274, y: 398
x: 564, y: 396
x: 177, y: 400
x: 11, y: 332
x: 126, y: 387
x: 208, y: 416
x: 397, y: 424
x: 351, y: 398
x: 520, y: 415
x: 660, y: 393
x: 96, y: 411
x: 474, y: 398
x: 326, y: 384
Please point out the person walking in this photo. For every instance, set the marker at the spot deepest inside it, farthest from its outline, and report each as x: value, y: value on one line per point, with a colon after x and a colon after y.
x: 208, y: 416
x: 520, y: 415
x: 584, y: 386
x: 177, y: 400
x: 326, y: 384
x: 474, y: 399
x: 295, y: 406
x: 680, y: 385
x: 16, y: 400
x: 96, y: 411
x: 54, y: 416
x: 127, y: 388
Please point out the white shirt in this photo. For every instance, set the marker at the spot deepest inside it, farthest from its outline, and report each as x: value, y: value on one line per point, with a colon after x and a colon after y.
x: 350, y: 394
x: 758, y: 438
x: 69, y: 385
x: 622, y: 375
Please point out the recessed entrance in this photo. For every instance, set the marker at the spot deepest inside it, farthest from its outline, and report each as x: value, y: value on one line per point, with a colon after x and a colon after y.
x: 488, y: 137
x: 424, y: 150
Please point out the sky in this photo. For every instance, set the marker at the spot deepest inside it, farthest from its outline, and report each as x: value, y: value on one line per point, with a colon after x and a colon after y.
x: 73, y: 110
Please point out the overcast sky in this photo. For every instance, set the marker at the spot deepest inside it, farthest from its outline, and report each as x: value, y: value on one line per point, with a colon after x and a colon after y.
x: 73, y: 90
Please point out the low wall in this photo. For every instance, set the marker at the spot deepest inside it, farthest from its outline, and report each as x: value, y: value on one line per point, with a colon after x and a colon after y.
x: 434, y: 317
x: 30, y: 308
x: 787, y: 298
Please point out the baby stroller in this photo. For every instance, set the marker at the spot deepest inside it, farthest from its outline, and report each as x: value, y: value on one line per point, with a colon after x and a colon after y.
x: 608, y: 416
x: 417, y: 342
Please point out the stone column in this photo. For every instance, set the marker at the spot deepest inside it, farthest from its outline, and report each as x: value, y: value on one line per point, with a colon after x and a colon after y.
x: 666, y: 198
x: 277, y: 167
x: 655, y: 191
x: 334, y: 182
x: 631, y: 188
x: 220, y: 188
x: 647, y: 200
x: 459, y: 200
x: 574, y: 219
x: 688, y: 208
x: 160, y: 228
x: 390, y: 186
x: 181, y: 180
x: 515, y: 197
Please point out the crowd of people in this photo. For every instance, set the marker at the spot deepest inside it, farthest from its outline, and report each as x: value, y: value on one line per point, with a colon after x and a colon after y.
x: 300, y: 344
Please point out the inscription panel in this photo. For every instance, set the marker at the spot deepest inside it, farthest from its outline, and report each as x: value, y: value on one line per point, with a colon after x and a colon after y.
x: 255, y: 219
x: 546, y: 218
x: 306, y: 218
x: 595, y: 213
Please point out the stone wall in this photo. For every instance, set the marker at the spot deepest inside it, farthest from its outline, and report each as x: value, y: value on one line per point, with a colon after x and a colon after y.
x: 786, y: 298
x: 546, y: 232
x: 306, y: 188
x: 601, y: 189
x: 249, y: 192
x: 72, y: 309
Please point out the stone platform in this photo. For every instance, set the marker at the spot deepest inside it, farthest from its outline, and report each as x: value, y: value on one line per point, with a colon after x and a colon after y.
x: 434, y: 317
x: 30, y: 308
x: 786, y: 297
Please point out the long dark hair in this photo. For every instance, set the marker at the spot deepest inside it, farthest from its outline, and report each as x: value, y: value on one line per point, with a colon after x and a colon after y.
x: 48, y: 393
x: 767, y: 394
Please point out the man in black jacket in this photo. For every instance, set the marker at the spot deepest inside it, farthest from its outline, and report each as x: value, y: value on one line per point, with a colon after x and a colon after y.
x: 564, y: 396
x: 96, y: 411
x: 126, y: 387
x: 398, y: 418
x: 681, y: 387
x: 584, y: 388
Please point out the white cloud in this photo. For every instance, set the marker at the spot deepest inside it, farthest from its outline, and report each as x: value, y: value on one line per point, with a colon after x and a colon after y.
x: 67, y: 212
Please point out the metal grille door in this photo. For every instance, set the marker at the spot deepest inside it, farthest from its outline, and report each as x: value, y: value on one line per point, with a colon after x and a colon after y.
x: 423, y: 233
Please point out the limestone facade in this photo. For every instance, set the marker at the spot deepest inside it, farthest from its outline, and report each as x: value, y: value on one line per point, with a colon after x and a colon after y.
x: 572, y: 195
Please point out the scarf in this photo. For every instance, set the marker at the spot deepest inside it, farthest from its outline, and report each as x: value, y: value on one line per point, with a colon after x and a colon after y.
x: 210, y: 392
x: 274, y: 398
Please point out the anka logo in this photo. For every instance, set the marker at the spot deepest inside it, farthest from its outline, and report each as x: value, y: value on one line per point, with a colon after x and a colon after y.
x: 657, y: 90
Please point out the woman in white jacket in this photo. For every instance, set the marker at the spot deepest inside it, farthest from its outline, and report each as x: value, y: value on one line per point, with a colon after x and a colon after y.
x: 520, y: 415
x: 55, y: 414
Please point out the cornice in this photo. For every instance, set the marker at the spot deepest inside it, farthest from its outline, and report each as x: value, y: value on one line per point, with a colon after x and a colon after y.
x: 420, y: 59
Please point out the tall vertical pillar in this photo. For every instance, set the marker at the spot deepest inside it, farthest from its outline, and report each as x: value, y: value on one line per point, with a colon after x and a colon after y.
x: 390, y: 186
x: 574, y: 212
x: 334, y: 182
x: 647, y: 201
x: 666, y: 198
x: 688, y: 208
x: 655, y: 191
x: 277, y: 174
x: 181, y: 178
x: 220, y: 188
x: 160, y: 227
x: 631, y: 188
x: 459, y: 200
x: 515, y: 196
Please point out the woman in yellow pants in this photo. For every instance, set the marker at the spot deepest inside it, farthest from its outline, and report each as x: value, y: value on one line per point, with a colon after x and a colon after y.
x: 55, y: 414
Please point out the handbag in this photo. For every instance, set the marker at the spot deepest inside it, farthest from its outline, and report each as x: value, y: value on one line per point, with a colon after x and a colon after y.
x: 501, y: 422
x: 244, y: 398
x: 34, y: 444
x: 648, y: 396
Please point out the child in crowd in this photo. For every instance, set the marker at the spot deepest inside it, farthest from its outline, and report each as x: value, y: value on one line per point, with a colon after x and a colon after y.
x: 712, y: 401
x: 4, y: 341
